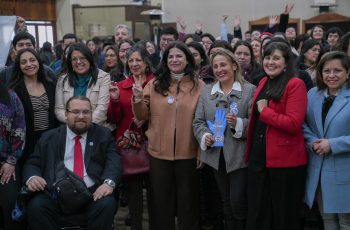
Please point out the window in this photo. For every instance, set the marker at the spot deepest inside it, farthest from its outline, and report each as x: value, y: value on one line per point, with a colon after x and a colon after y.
x: 42, y: 31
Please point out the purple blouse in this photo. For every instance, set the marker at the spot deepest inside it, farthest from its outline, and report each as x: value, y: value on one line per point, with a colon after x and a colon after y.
x: 12, y: 130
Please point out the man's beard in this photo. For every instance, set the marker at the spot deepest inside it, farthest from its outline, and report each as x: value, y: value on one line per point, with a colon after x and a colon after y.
x: 80, y: 130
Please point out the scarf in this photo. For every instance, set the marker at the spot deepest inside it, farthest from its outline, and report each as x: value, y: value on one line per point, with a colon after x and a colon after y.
x: 81, y: 85
x: 178, y: 76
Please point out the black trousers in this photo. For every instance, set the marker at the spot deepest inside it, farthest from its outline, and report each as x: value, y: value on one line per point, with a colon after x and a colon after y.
x: 275, y: 198
x: 210, y: 200
x: 174, y: 192
x: 233, y: 189
x: 135, y: 185
x: 8, y: 195
x: 43, y: 213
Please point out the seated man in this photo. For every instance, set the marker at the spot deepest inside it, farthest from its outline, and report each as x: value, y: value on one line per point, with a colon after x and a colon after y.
x: 88, y: 150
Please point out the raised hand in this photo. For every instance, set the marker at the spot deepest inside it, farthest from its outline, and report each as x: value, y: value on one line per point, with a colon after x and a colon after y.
x: 224, y: 18
x: 273, y: 20
x: 288, y: 8
x: 20, y: 23
x: 198, y: 26
x: 237, y: 22
x: 181, y: 21
x: 114, y: 91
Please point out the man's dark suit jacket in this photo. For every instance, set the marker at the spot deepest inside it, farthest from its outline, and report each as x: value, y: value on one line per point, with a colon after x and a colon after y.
x: 101, y: 158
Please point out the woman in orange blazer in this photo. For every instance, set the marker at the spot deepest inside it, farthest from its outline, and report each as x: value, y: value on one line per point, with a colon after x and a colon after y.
x: 275, y: 145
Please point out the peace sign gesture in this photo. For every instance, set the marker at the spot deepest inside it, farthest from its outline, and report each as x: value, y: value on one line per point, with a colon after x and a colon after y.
x: 137, y: 87
x: 288, y: 8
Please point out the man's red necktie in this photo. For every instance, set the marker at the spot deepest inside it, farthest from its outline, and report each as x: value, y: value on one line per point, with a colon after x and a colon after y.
x: 78, y: 167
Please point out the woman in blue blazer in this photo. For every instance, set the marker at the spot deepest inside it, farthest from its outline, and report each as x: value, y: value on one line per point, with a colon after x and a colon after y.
x: 327, y: 133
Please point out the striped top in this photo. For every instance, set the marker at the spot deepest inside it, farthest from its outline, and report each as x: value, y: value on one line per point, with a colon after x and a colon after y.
x: 41, y: 112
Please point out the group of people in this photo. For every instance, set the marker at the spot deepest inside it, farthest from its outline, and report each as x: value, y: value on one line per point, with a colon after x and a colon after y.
x: 265, y: 116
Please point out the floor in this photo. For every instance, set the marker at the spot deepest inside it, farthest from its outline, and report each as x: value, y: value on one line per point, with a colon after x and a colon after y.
x: 123, y: 212
x: 310, y: 223
x: 120, y: 217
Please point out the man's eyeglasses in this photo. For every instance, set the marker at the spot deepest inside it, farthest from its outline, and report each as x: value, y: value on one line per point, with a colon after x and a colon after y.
x: 167, y: 40
x: 77, y: 112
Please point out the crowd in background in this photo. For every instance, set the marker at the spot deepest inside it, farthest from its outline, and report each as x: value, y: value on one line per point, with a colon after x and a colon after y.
x: 280, y: 101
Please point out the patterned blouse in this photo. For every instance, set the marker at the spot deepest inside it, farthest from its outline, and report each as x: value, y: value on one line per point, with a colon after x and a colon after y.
x: 12, y: 130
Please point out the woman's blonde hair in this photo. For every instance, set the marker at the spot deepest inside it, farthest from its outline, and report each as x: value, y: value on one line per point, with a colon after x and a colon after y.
x: 229, y: 55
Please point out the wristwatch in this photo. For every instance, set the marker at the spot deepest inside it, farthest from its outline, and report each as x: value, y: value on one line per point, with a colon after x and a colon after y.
x: 109, y: 182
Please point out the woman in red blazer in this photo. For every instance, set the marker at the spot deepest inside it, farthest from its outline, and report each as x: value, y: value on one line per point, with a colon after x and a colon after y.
x: 275, y: 144
x: 138, y: 66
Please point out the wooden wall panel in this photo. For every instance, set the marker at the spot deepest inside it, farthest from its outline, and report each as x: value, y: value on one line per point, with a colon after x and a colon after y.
x: 7, y: 7
x: 261, y: 23
x: 328, y: 20
x: 30, y: 9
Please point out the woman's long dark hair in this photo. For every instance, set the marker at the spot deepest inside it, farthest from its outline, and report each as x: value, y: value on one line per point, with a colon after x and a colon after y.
x: 17, y: 77
x: 4, y: 95
x: 255, y: 70
x: 321, y: 27
x: 307, y: 45
x: 201, y: 51
x: 95, y: 55
x: 115, y: 50
x: 71, y: 75
x: 120, y: 64
x: 163, y: 76
x: 278, y: 85
x: 64, y: 61
x: 344, y: 43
